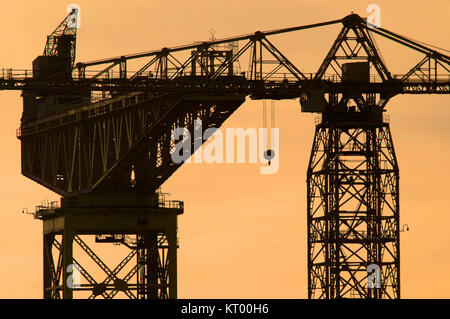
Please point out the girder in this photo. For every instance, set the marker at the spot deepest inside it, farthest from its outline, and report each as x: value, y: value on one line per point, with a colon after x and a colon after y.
x: 145, y: 224
x: 185, y: 69
x: 353, y: 212
x: 97, y: 147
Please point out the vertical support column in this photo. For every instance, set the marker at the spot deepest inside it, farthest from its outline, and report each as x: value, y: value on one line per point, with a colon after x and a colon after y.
x: 353, y: 213
x: 157, y: 260
x: 123, y: 68
x: 173, y: 246
x: 67, y: 249
x: 151, y: 245
x: 333, y: 214
x: 229, y: 57
x: 47, y: 265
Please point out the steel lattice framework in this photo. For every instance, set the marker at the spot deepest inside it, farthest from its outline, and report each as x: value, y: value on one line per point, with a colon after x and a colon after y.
x: 66, y: 31
x: 99, y: 129
x: 353, y: 212
x: 147, y: 227
x: 149, y: 279
x: 102, y: 145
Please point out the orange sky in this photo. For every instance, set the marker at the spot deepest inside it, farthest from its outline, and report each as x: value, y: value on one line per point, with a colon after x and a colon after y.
x: 243, y: 235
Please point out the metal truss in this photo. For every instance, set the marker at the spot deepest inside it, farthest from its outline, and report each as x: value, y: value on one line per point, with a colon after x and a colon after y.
x: 204, y: 65
x: 153, y: 284
x: 148, y: 276
x: 93, y: 149
x: 353, y: 212
x: 354, y: 42
x: 67, y: 28
x: 101, y: 142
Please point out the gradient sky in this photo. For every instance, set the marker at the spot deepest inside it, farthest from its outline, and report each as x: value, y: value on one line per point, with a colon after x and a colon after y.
x: 243, y: 235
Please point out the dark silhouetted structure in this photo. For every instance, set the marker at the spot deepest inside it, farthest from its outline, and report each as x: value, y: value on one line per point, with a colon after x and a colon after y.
x: 102, y: 140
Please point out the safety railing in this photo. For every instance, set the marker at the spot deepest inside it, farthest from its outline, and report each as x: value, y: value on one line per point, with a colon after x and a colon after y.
x: 11, y: 74
x: 318, y: 120
x: 46, y: 208
x: 24, y: 74
x: 163, y: 202
x: 175, y: 204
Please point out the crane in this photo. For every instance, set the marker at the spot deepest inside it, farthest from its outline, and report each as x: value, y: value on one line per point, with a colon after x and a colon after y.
x: 99, y: 135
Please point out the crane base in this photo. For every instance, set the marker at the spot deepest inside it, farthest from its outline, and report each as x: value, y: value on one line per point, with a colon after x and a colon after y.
x: 143, y: 226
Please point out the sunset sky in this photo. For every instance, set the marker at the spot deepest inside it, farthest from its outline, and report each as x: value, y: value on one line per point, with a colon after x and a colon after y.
x: 243, y: 234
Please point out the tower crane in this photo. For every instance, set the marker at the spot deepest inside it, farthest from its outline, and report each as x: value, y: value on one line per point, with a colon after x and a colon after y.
x: 99, y: 135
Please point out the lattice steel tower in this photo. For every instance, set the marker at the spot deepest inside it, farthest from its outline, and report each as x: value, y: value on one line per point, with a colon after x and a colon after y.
x: 353, y: 180
x: 353, y: 211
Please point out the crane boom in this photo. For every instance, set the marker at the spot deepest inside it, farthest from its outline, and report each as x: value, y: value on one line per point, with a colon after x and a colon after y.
x: 435, y: 80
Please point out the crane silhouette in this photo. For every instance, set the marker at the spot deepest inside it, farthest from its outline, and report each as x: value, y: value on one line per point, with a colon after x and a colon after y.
x: 99, y: 135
